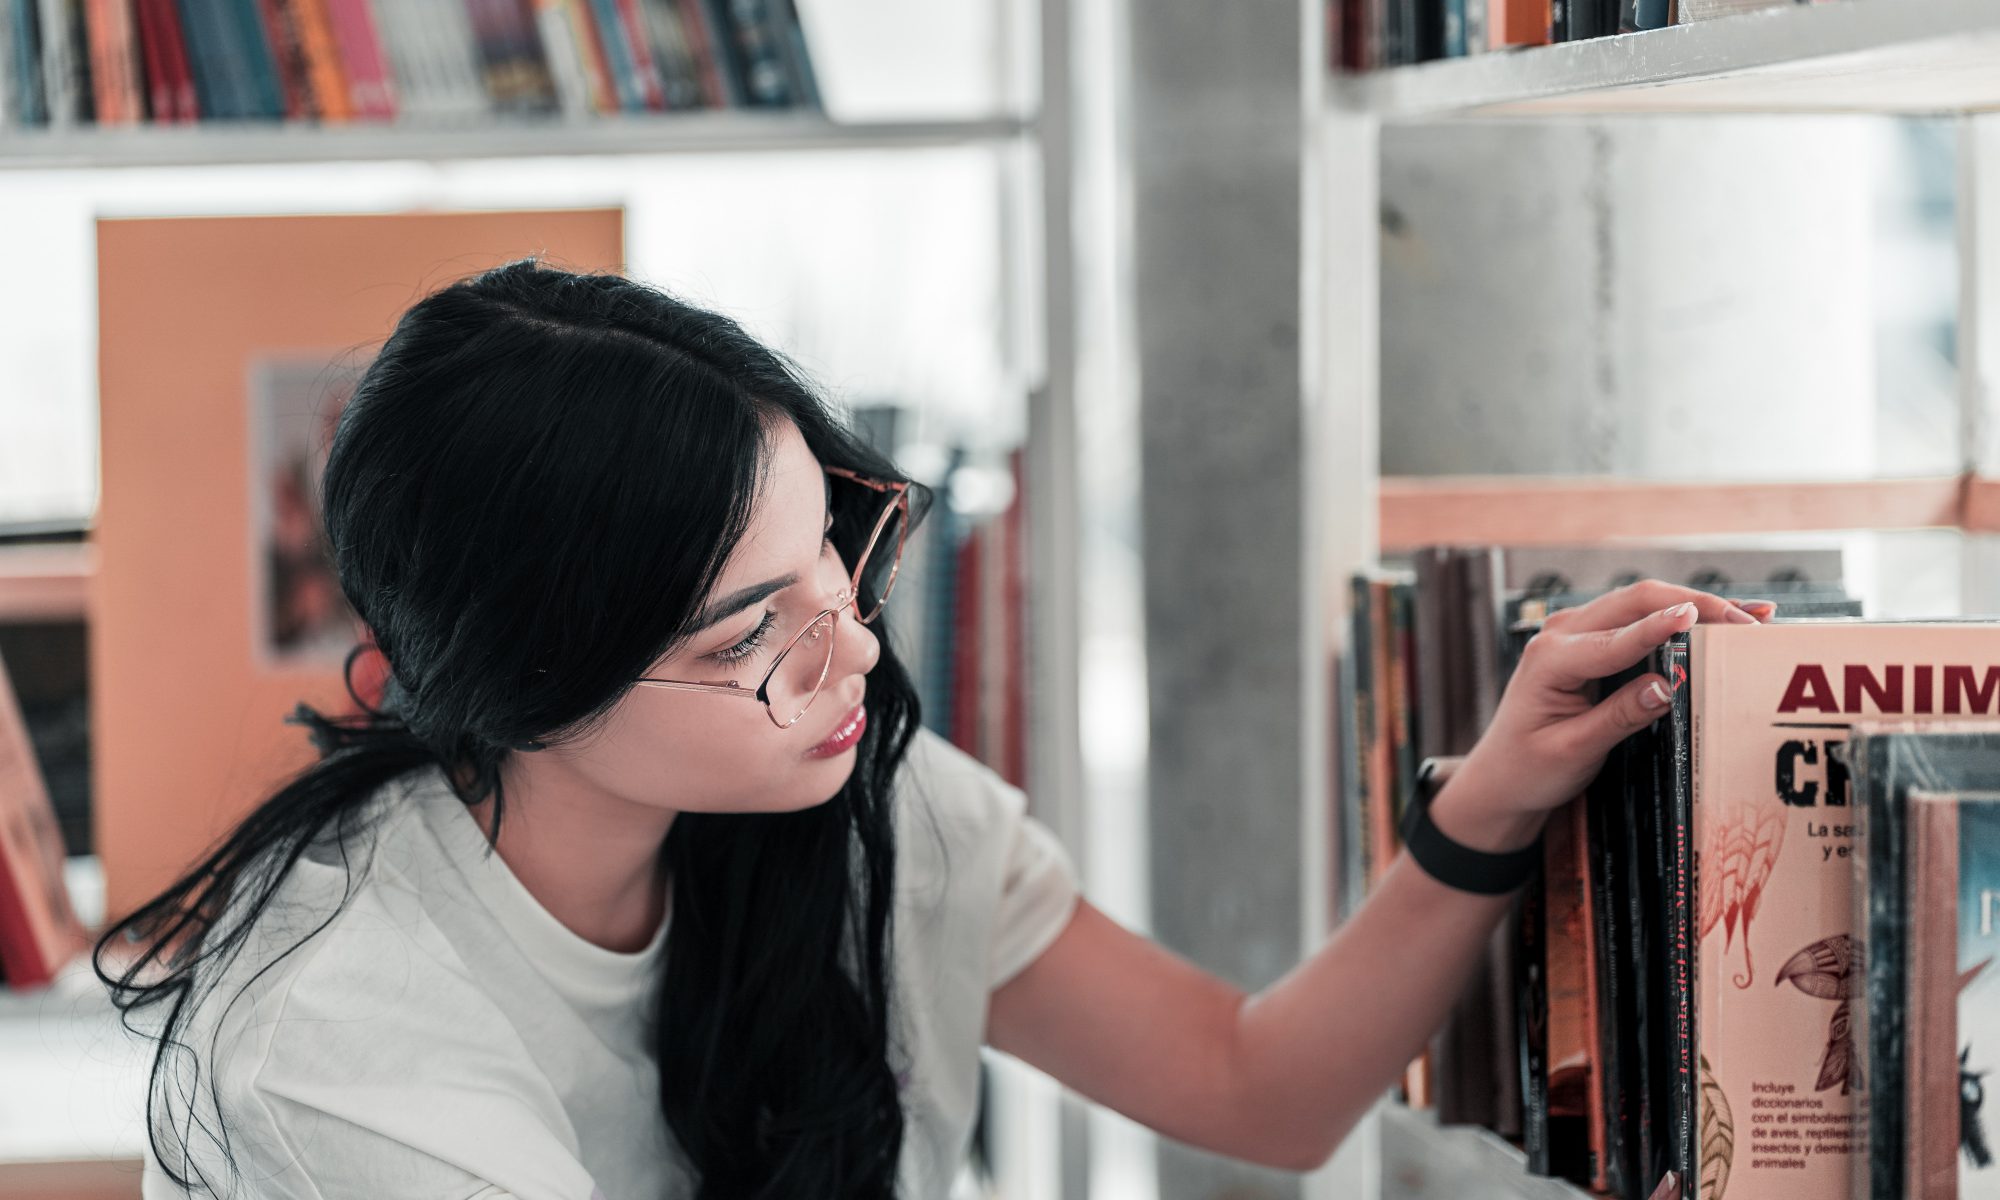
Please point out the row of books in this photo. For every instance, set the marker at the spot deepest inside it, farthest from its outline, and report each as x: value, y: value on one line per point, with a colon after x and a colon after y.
x: 1755, y: 954
x: 128, y: 62
x: 1363, y: 35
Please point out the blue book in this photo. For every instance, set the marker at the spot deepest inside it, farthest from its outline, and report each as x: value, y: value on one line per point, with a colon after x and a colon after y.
x: 204, y: 60
x: 618, y: 53
x: 264, y: 92
x: 30, y: 104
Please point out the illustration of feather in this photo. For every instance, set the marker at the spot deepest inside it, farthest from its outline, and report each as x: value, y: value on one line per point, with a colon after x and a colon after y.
x: 1743, y: 843
x: 1718, y: 1135
x: 1828, y: 970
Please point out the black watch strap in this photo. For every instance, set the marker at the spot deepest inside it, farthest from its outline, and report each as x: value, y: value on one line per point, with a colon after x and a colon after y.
x: 1455, y: 864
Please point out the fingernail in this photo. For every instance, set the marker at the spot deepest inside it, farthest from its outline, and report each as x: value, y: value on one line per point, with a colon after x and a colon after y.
x: 1656, y: 695
x: 1737, y: 616
x: 1678, y: 611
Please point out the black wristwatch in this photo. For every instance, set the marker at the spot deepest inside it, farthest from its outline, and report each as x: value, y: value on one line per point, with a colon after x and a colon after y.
x: 1455, y: 864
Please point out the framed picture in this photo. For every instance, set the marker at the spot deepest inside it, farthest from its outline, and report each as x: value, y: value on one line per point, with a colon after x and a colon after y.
x: 300, y: 616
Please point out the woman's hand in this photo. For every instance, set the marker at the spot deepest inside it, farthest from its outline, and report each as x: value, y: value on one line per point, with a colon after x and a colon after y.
x: 1548, y: 739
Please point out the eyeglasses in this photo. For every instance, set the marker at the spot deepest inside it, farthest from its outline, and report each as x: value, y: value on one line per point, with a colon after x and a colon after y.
x: 810, y: 652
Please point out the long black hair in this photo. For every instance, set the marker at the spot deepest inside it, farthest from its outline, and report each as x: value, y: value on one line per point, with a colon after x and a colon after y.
x: 528, y: 497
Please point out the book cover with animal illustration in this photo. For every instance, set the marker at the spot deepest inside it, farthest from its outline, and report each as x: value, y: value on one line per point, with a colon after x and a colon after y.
x: 1954, y: 992
x: 1778, y: 967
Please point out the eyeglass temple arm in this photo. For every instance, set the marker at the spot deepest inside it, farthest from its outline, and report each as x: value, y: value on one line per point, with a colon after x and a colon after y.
x: 732, y: 689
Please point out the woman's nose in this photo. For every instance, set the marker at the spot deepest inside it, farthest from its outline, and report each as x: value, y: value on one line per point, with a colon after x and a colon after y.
x: 858, y: 643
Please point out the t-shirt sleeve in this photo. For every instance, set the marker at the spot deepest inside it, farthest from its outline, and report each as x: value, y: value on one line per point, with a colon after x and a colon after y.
x: 1038, y: 889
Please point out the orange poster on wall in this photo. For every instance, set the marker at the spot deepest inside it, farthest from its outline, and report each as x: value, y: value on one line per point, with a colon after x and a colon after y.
x: 226, y: 346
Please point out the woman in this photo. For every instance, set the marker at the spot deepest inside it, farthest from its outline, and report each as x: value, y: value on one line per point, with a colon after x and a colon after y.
x: 644, y: 880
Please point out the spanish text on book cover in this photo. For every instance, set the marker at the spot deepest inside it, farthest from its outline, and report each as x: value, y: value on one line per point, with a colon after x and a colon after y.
x: 1778, y: 966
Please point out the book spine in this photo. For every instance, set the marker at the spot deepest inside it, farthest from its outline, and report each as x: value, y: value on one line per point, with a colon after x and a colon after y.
x: 1677, y: 956
x: 57, y: 83
x: 159, y: 92
x: 249, y: 53
x: 566, y: 59
x: 31, y: 106
x: 618, y: 55
x: 370, y: 91
x: 331, y: 95
x: 645, y: 71
x: 186, y: 105
x: 210, y: 102
x: 104, y: 82
x: 1604, y: 805
x: 287, y: 61
x: 1532, y: 1013
x: 718, y: 77
x: 798, y: 55
x: 1880, y: 900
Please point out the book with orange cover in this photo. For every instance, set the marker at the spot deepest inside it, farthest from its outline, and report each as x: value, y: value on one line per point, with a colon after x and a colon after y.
x: 39, y: 930
x: 114, y: 74
x: 326, y: 77
x: 194, y: 665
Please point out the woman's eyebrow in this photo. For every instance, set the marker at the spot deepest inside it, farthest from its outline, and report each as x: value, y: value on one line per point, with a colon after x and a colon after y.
x: 743, y: 598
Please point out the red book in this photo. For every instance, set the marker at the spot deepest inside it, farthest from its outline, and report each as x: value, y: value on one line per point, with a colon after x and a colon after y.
x: 39, y: 930
x: 159, y: 92
x: 370, y: 88
x: 173, y: 52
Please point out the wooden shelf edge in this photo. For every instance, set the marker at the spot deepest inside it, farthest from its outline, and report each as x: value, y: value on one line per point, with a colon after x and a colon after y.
x: 1559, y: 512
x: 46, y: 582
x: 231, y: 142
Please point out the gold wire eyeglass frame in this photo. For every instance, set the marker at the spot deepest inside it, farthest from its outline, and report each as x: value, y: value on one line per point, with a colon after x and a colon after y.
x: 828, y: 619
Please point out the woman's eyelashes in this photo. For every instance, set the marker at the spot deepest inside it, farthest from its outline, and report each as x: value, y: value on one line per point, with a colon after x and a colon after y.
x: 755, y: 640
x: 748, y: 646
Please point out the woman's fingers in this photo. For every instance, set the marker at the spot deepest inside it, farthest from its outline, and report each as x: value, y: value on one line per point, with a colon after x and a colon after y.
x: 1634, y: 601
x: 1573, y: 659
x: 1621, y: 714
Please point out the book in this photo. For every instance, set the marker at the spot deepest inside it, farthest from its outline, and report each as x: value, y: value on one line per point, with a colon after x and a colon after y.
x: 1778, y: 965
x: 326, y: 74
x: 39, y: 929
x: 1900, y: 912
x: 24, y: 56
x: 371, y: 91
x: 1953, y: 991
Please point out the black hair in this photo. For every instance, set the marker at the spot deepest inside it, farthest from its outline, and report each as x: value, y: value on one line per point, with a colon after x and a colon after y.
x: 529, y: 446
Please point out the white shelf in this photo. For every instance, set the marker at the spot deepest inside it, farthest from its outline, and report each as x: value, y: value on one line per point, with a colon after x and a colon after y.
x: 1878, y: 56
x: 1422, y: 1160
x: 228, y: 142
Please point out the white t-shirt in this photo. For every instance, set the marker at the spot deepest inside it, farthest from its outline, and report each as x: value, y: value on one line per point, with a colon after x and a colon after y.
x: 445, y: 1036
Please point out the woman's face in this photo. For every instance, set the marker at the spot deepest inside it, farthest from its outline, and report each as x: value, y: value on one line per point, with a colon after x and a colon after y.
x: 696, y: 751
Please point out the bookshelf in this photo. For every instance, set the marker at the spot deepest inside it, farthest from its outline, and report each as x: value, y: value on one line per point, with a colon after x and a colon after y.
x: 1025, y: 131
x: 730, y: 132
x: 1909, y: 56
x: 1858, y: 57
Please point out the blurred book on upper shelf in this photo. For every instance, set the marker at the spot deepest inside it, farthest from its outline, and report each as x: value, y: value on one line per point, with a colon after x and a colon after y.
x: 1364, y: 35
x: 65, y: 63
